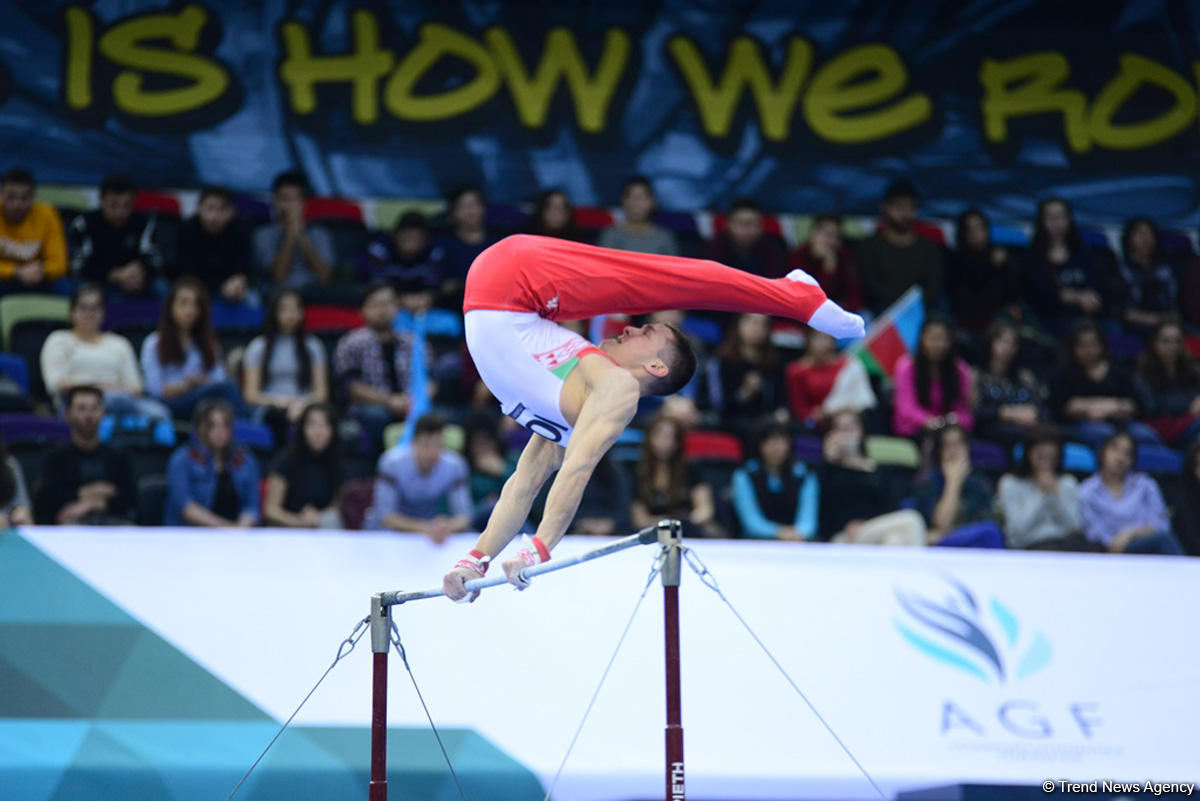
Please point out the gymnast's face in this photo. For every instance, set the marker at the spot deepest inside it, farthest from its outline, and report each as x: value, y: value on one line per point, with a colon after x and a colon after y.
x: 640, y: 347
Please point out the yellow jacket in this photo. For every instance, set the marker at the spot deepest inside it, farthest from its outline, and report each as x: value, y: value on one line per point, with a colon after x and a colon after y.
x: 38, y: 236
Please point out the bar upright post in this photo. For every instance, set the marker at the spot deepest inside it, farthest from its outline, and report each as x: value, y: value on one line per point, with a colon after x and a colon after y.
x: 381, y: 641
x: 669, y: 534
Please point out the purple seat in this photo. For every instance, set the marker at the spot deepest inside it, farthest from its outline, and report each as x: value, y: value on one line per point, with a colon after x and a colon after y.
x: 989, y: 456
x: 33, y: 428
x: 807, y: 449
x: 130, y: 313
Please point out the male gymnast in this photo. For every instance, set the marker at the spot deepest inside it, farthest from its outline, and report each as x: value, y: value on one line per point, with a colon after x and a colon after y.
x: 576, y: 398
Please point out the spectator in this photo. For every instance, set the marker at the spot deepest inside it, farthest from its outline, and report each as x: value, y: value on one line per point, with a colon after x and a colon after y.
x: 668, y: 486
x: 370, y: 365
x: 745, y: 378
x: 304, y: 482
x: 1144, y: 290
x: 1121, y: 510
x: 284, y: 369
x: 489, y: 464
x: 1093, y: 397
x: 827, y: 259
x: 408, y: 260
x: 857, y: 500
x: 1189, y: 295
x: 982, y: 279
x: 422, y: 487
x: 1187, y: 510
x: 823, y: 380
x: 1011, y: 401
x: 744, y: 245
x: 15, y: 507
x: 212, y: 481
x: 637, y: 231
x: 1172, y: 378
x: 605, y: 507
x: 467, y: 238
x: 894, y: 258
x: 955, y: 499
x: 215, y: 249
x: 1038, y: 502
x: 553, y: 215
x: 1061, y: 281
x: 934, y: 388
x: 85, y: 482
x: 290, y: 251
x: 114, y: 246
x: 181, y: 360
x: 85, y: 355
x: 33, y: 251
x: 774, y: 496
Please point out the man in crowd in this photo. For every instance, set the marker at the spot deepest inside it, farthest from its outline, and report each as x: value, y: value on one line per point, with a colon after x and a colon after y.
x: 85, y: 481
x: 33, y: 251
x: 114, y: 246
x: 215, y: 249
x: 745, y: 246
x: 895, y: 258
x: 290, y: 251
x: 422, y: 487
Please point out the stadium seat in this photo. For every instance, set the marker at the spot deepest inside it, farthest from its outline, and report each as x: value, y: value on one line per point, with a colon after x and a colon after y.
x: 506, y: 219
x: 151, y: 500
x: 702, y: 328
x: 591, y: 218
x: 28, y: 337
x: 387, y: 212
x: 771, y: 226
x: 256, y: 436
x: 13, y: 366
x: 325, y: 209
x: 33, y: 428
x: 679, y: 222
x: 989, y: 456
x: 18, y: 307
x: 719, y: 446
x: 1009, y: 235
x: 156, y: 203
x: 807, y: 449
x: 331, y: 318
x: 141, y: 313
x: 1077, y: 457
x: 228, y: 317
x: 1158, y: 459
x: 251, y: 209
x: 894, y: 451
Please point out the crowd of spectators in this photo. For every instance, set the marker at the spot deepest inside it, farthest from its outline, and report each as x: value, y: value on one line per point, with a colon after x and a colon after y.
x: 1051, y: 400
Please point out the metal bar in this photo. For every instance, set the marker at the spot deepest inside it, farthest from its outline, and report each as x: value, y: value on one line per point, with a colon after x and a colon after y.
x: 644, y: 537
x: 669, y: 536
x: 381, y: 619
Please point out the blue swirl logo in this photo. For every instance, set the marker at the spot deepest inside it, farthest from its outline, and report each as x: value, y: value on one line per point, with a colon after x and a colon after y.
x: 985, y: 640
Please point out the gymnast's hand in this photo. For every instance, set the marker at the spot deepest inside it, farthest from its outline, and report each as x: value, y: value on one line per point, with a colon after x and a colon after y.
x: 454, y: 584
x: 512, y: 569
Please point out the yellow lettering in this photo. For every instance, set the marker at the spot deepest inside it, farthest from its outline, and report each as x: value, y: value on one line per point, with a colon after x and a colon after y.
x: 561, y: 60
x: 77, y: 83
x: 745, y: 67
x: 362, y: 68
x: 1135, y: 71
x: 436, y: 42
x: 123, y: 45
x: 1028, y: 85
x: 861, y: 78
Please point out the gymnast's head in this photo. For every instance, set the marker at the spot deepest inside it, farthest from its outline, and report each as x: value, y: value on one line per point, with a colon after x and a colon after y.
x: 659, y: 355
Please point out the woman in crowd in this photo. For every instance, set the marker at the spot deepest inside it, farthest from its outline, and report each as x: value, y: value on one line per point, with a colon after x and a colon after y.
x: 745, y: 378
x: 956, y: 500
x: 668, y: 487
x: 284, y: 370
x: 212, y: 481
x: 304, y: 482
x: 637, y: 230
x: 1091, y: 396
x: 1038, y: 502
x: 1172, y: 378
x: 1061, y: 282
x: 15, y: 507
x: 1121, y: 510
x: 490, y: 465
x: 181, y: 361
x: 823, y: 379
x: 857, y: 500
x: 1144, y: 287
x: 934, y: 388
x: 1010, y: 400
x: 1187, y: 510
x: 553, y: 215
x: 774, y: 496
x: 981, y: 278
x: 85, y: 355
x: 827, y: 259
x: 467, y: 238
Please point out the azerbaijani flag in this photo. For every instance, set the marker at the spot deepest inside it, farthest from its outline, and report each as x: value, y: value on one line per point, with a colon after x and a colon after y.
x: 893, y: 333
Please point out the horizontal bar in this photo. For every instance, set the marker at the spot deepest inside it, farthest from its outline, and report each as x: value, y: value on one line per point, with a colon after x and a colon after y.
x: 646, y: 536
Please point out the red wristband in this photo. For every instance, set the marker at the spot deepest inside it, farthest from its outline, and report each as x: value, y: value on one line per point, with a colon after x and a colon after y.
x: 543, y: 551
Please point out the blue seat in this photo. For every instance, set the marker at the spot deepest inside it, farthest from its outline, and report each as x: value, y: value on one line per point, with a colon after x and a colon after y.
x: 13, y: 366
x: 707, y: 331
x: 1077, y: 457
x: 989, y: 456
x: 1159, y: 459
x: 257, y: 436
x: 18, y: 428
x: 228, y: 317
x: 807, y: 449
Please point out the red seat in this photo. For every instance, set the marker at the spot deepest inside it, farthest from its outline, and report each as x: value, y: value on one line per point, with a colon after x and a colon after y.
x: 925, y: 230
x: 156, y: 203
x: 332, y: 318
x: 332, y: 208
x: 1193, y: 344
x: 593, y: 218
x: 714, y: 445
x: 770, y: 224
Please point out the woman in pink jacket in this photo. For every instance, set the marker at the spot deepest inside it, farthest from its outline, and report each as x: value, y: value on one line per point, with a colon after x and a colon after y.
x: 933, y: 387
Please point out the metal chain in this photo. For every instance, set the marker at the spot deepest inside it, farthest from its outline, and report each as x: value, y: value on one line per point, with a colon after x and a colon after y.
x: 344, y: 649
x: 709, y: 580
x: 655, y: 569
x: 404, y: 658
